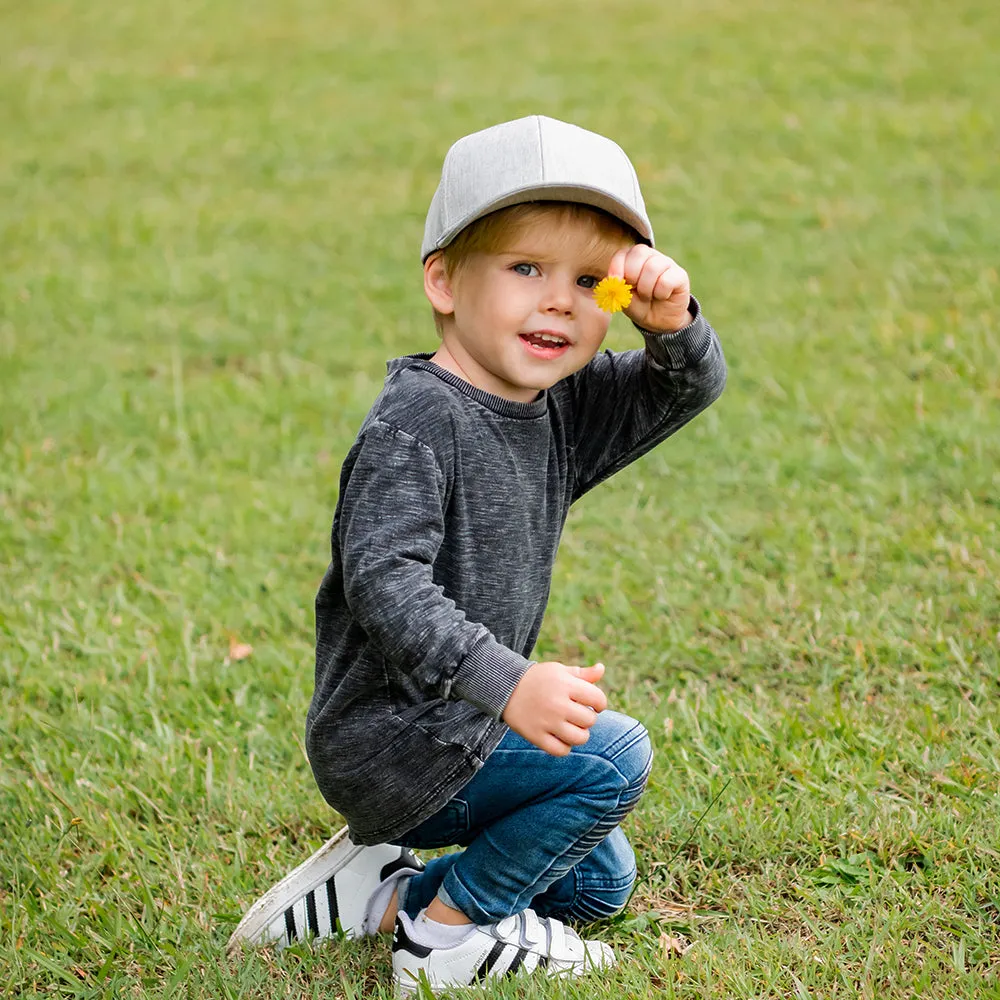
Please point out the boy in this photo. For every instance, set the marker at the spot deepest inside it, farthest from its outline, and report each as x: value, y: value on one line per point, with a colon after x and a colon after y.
x: 429, y: 725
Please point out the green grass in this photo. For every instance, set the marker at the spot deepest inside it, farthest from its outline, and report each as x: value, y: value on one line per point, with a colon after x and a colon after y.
x: 211, y: 218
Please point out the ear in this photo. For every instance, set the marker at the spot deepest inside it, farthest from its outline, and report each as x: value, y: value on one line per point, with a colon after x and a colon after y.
x: 437, y: 284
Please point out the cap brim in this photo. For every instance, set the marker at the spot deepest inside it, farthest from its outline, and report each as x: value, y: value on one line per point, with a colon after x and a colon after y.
x: 593, y: 197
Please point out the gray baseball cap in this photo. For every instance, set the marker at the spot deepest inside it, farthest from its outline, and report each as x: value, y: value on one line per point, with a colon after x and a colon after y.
x: 532, y: 159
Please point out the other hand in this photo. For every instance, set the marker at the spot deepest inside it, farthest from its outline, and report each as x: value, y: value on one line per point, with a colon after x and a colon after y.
x: 554, y: 705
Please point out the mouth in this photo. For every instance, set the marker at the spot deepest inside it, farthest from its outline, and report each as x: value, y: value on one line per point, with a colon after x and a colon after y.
x: 545, y: 344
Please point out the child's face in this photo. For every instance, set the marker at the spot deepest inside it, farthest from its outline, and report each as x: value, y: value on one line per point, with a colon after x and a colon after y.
x: 523, y: 318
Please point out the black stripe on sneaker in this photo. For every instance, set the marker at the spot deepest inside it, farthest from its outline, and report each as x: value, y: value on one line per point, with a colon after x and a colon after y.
x: 491, y: 959
x: 311, y: 913
x: 518, y: 960
x: 412, y: 860
x: 290, y: 925
x: 401, y: 941
x: 331, y: 902
x: 405, y: 860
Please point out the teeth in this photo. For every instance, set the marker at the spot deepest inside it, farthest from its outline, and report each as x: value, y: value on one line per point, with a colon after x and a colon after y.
x: 550, y: 339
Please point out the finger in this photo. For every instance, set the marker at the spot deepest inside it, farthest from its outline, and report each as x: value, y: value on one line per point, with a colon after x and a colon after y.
x: 592, y: 674
x: 591, y: 696
x: 553, y: 746
x: 581, y: 715
x: 616, y: 269
x: 655, y: 271
x: 671, y: 283
x: 571, y: 735
x: 635, y: 259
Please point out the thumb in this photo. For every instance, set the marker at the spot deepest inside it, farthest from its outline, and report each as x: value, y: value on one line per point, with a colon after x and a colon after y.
x: 592, y: 674
x: 616, y: 269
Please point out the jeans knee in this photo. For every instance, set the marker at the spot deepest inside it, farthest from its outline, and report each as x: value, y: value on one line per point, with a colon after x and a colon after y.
x: 619, y: 757
x: 634, y: 763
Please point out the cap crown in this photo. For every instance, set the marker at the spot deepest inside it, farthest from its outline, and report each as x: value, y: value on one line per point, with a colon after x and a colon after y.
x: 532, y: 159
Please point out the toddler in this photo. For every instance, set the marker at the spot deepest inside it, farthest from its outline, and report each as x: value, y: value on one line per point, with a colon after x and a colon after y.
x: 430, y: 725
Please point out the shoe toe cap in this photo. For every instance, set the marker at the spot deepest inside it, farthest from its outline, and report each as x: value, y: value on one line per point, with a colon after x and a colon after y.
x: 600, y: 954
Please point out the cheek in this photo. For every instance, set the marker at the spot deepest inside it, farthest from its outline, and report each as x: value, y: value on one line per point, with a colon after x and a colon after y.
x: 601, y: 324
x: 597, y: 319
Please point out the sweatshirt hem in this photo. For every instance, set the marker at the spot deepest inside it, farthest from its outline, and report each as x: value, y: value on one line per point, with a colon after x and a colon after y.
x: 446, y: 790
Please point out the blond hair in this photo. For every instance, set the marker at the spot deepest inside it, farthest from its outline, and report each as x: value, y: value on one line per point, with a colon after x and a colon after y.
x: 498, y: 231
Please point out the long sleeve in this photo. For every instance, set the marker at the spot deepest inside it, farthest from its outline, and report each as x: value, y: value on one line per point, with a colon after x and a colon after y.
x: 390, y: 533
x: 626, y: 403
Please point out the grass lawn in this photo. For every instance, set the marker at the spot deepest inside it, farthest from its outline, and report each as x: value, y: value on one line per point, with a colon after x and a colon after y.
x: 211, y: 216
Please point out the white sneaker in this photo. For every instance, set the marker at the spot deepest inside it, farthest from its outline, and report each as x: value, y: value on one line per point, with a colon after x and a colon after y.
x: 523, y: 943
x: 326, y: 895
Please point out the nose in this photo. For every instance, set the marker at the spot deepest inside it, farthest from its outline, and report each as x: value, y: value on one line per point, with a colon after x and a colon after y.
x: 558, y: 297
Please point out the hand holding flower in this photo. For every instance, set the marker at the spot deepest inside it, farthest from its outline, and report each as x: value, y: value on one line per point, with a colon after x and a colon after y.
x: 660, y: 292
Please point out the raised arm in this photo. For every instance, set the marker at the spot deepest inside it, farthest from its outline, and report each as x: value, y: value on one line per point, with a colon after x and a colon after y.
x: 624, y: 404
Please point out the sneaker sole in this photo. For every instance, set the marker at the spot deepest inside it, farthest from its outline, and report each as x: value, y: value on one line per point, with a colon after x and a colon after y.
x: 311, y: 874
x: 406, y: 986
x: 404, y: 989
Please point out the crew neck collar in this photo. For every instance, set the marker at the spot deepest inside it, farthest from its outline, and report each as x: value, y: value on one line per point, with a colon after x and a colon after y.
x: 504, y: 407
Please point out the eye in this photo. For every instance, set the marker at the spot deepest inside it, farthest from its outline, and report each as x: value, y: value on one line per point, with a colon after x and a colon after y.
x: 527, y: 270
x: 587, y: 281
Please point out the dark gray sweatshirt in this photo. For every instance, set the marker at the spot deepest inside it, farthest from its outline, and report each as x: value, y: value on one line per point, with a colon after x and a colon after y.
x: 451, y: 504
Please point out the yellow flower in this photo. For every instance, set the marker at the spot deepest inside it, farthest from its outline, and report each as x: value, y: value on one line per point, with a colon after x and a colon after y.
x: 613, y: 294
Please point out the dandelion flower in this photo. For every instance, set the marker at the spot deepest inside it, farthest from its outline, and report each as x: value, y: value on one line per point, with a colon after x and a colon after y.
x: 613, y: 294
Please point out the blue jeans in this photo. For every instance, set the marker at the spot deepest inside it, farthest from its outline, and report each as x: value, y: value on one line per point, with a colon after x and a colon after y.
x: 538, y: 830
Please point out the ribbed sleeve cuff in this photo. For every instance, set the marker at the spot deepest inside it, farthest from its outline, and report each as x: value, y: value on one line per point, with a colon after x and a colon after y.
x: 488, y: 675
x: 685, y: 347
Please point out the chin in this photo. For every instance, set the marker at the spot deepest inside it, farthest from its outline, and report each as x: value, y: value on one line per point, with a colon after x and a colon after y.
x: 539, y: 384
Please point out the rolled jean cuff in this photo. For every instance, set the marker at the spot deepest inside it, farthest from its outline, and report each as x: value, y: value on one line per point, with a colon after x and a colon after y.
x: 455, y: 895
